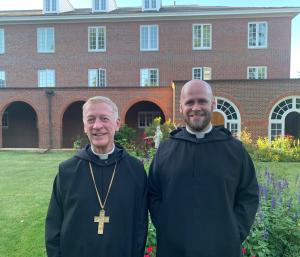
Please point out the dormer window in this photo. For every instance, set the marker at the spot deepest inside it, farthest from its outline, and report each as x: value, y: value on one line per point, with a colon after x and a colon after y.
x: 150, y: 5
x: 99, y: 6
x: 50, y: 6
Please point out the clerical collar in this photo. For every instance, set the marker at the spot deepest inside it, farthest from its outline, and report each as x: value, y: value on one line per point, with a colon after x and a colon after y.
x: 103, y: 156
x: 199, y: 134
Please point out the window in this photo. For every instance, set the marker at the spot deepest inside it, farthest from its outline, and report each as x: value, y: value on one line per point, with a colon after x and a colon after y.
x: 149, y: 38
x: 201, y: 73
x: 2, y: 79
x: 5, y: 120
x: 46, y: 78
x: 97, y: 38
x: 50, y: 6
x: 257, y: 72
x: 149, y: 77
x: 97, y: 77
x: 99, y: 5
x: 257, y: 34
x: 149, y: 5
x: 146, y: 118
x: 201, y: 36
x: 2, y: 42
x: 45, y: 40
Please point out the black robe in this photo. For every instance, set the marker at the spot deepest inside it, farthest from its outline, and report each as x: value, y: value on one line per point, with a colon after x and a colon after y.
x: 203, y: 195
x: 70, y: 228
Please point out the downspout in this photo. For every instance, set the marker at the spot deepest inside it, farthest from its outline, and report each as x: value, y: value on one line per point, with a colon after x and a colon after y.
x: 174, y: 99
x: 49, y: 94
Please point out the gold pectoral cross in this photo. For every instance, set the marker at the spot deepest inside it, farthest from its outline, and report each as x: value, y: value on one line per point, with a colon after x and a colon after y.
x: 101, y: 219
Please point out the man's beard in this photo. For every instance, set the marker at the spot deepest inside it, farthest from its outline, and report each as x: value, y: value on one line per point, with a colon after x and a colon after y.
x: 199, y: 126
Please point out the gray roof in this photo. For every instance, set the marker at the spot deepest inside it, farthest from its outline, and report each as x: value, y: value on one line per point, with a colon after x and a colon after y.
x: 137, y: 10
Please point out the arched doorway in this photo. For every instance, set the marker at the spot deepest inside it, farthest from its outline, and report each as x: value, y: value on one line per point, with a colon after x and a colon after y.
x: 19, y: 126
x: 72, y: 125
x: 284, y: 118
x: 292, y: 124
x: 227, y: 114
x: 141, y: 114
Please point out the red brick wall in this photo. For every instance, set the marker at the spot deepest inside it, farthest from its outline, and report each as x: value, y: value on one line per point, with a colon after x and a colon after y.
x: 254, y: 99
x: 123, y: 60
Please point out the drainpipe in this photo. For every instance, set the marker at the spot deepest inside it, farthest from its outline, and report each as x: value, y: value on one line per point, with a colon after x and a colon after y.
x: 174, y: 99
x: 49, y: 94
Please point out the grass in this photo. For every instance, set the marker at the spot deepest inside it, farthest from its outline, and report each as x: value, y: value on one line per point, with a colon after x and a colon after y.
x: 25, y: 188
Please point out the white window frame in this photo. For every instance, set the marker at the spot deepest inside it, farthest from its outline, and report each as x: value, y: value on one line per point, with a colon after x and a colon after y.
x: 100, y: 5
x: 228, y: 110
x: 39, y: 43
x: 2, y: 76
x: 202, y: 72
x: 51, y: 5
x: 257, y: 71
x: 152, y: 113
x: 97, y: 35
x: 48, y: 72
x: 98, y: 78
x: 5, y: 120
x: 202, y: 37
x: 148, y: 77
x: 2, y: 41
x: 150, y: 7
x: 256, y: 46
x: 278, y: 114
x: 149, y: 37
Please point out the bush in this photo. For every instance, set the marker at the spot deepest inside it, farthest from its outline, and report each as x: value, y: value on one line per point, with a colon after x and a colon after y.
x: 125, y: 137
x: 165, y: 128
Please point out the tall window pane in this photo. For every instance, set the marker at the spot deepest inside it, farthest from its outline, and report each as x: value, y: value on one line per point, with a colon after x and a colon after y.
x: 45, y: 40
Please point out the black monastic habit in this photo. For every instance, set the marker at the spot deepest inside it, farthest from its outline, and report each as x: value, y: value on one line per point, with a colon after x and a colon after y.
x: 70, y: 228
x: 203, y: 195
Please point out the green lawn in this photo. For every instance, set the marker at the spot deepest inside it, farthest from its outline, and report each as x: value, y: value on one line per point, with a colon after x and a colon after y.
x: 25, y: 188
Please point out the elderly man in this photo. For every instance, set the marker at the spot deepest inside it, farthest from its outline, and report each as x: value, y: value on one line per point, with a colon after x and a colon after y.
x: 98, y: 206
x: 203, y: 192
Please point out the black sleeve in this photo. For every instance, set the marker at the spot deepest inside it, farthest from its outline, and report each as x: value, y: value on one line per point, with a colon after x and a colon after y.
x: 247, y: 197
x: 154, y: 190
x: 143, y: 220
x: 54, y: 221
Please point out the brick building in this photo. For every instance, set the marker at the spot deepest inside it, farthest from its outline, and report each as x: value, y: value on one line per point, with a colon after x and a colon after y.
x: 52, y: 60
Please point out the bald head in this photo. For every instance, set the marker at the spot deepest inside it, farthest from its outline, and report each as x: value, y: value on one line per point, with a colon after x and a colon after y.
x: 195, y: 85
x: 196, y: 105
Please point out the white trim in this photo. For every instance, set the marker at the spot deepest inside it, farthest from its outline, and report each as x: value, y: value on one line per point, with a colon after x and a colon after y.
x: 148, y: 69
x: 4, y: 78
x: 97, y: 50
x: 37, y: 39
x: 150, y: 8
x: 282, y: 12
x: 193, y: 37
x: 46, y: 70
x: 55, y: 11
x: 148, y: 26
x: 257, y: 24
x: 3, y: 40
x: 226, y: 120
x: 281, y: 121
x: 256, y: 72
x: 94, y: 10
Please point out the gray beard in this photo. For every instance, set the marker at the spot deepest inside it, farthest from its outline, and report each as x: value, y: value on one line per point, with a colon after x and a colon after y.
x: 198, y: 126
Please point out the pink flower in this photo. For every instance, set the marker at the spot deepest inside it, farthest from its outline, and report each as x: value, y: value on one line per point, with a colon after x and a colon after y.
x: 150, y: 249
x: 244, y: 250
x: 146, y: 255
